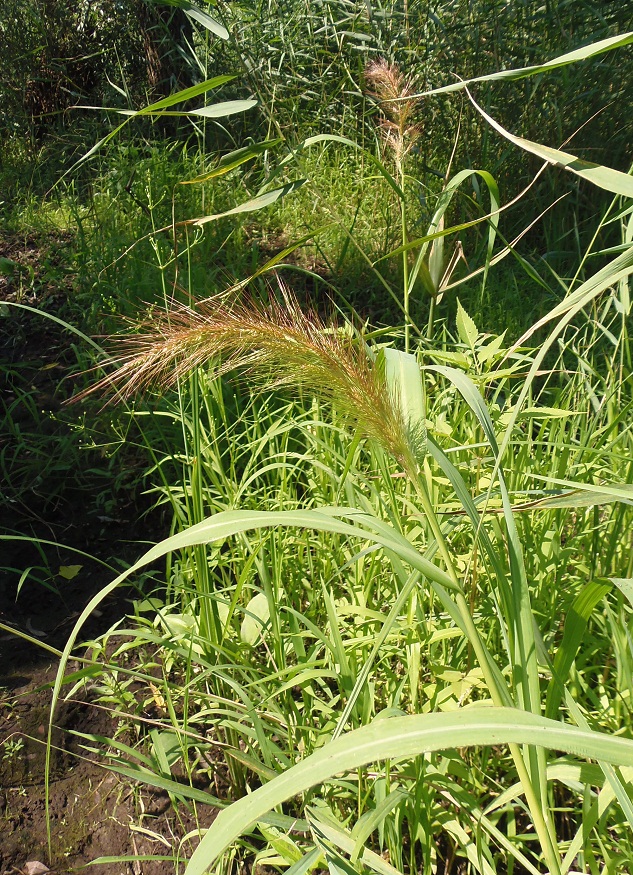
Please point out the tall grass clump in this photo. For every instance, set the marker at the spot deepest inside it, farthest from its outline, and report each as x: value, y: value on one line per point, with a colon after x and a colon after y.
x: 399, y: 604
x: 469, y: 650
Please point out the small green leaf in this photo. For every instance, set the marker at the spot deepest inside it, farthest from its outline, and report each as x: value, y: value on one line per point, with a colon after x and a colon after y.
x: 8, y: 267
x: 452, y: 358
x: 69, y: 572
x: 490, y: 350
x: 281, y: 843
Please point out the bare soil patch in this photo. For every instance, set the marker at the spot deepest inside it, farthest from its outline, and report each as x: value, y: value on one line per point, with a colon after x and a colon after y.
x: 55, y: 492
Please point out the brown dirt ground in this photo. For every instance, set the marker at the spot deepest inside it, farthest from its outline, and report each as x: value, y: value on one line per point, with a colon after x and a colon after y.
x: 93, y: 813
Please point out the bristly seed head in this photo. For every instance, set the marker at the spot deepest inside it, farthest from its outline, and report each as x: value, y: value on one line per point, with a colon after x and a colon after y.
x: 398, y: 105
x: 279, y: 345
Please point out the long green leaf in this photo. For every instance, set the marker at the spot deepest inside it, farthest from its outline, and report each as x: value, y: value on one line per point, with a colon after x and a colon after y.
x: 200, y: 16
x: 582, y: 54
x: 224, y: 108
x: 232, y: 160
x: 604, y: 177
x: 575, y: 625
x: 256, y: 203
x: 404, y: 737
x: 186, y: 94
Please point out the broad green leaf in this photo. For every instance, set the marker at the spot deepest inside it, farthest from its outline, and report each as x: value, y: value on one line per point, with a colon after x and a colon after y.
x: 8, y: 267
x: 625, y: 585
x: 404, y: 380
x: 421, y: 271
x: 179, y: 625
x: 490, y: 350
x: 436, y: 259
x: 450, y: 357
x: 251, y: 763
x: 257, y: 615
x: 401, y: 737
x: 574, y: 774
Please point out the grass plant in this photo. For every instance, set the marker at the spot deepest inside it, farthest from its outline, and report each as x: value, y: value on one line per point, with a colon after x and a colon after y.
x: 476, y: 599
x: 395, y: 623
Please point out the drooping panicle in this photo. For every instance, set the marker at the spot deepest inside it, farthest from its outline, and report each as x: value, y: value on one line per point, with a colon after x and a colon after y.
x: 278, y: 345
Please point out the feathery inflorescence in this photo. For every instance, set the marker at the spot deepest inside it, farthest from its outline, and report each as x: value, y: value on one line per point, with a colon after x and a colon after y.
x: 278, y: 345
x: 398, y: 104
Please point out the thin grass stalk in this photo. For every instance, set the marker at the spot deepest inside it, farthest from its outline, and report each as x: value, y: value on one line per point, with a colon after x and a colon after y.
x: 405, y: 265
x: 536, y: 799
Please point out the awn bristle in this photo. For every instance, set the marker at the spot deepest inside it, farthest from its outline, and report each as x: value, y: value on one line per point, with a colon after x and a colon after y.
x: 278, y: 345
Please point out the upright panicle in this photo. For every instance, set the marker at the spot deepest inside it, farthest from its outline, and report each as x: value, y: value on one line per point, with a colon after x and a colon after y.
x: 395, y: 92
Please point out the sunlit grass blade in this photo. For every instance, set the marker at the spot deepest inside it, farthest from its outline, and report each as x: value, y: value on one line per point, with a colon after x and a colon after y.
x: 604, y: 177
x: 588, y: 51
x: 402, y: 737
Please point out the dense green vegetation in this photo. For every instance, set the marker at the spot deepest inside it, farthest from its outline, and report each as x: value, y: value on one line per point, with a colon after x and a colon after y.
x: 390, y: 625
